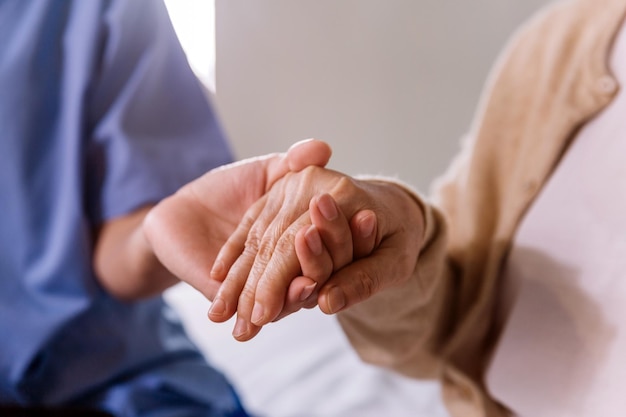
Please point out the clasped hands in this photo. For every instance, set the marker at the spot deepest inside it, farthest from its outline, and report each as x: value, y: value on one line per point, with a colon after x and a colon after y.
x: 266, y: 237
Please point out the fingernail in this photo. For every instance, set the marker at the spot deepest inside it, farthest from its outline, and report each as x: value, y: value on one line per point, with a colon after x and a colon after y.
x: 366, y: 226
x: 258, y: 313
x: 218, y: 308
x: 336, y: 300
x: 313, y: 241
x: 327, y: 207
x: 241, y: 328
x: 307, y: 291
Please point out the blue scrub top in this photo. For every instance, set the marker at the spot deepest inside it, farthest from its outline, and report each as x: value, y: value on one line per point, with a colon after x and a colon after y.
x: 99, y: 115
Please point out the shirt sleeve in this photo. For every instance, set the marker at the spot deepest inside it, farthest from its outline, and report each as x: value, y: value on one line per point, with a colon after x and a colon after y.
x: 152, y: 128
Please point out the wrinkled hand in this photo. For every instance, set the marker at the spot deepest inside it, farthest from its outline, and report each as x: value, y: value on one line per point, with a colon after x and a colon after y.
x: 326, y: 246
x: 363, y: 228
x: 263, y: 256
x: 322, y: 248
x: 187, y: 229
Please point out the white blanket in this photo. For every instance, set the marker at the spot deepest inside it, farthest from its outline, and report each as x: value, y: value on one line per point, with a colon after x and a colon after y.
x: 303, y: 366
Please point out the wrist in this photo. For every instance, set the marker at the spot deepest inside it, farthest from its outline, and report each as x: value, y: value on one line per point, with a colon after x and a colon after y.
x: 125, y: 262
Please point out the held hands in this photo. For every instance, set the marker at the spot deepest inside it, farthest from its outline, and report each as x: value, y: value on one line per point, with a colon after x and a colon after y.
x: 318, y: 237
x: 186, y: 230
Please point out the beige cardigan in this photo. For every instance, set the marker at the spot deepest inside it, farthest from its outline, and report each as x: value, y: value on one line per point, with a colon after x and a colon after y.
x: 551, y: 79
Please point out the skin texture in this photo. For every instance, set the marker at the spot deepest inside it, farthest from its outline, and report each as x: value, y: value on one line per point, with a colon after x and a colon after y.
x: 322, y: 248
x: 143, y: 253
x: 275, y: 245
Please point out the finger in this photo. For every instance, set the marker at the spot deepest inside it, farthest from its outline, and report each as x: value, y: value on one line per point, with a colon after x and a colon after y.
x: 247, y: 307
x: 308, y: 152
x: 235, y: 244
x: 299, y: 156
x: 315, y: 260
x: 363, y: 226
x: 334, y: 230
x: 318, y: 252
x: 238, y: 276
x: 362, y: 279
x: 316, y: 265
x: 242, y: 259
x: 244, y: 330
x: 302, y: 293
x: 276, y: 275
x: 227, y: 299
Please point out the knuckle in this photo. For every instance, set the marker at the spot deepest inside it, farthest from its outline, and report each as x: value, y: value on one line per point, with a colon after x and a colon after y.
x: 285, y: 244
x: 264, y: 251
x: 345, y: 185
x: 265, y: 248
x: 365, y: 284
x: 247, y: 295
x: 308, y: 176
x: 257, y: 269
x: 253, y: 241
x: 259, y: 245
x: 310, y: 171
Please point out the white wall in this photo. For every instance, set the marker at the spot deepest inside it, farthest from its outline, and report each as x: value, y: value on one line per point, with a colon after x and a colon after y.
x: 391, y: 84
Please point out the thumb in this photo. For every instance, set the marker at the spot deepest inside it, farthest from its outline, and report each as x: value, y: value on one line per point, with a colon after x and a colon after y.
x: 309, y: 152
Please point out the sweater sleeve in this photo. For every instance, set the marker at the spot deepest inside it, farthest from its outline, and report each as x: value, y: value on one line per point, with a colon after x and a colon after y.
x: 403, y: 328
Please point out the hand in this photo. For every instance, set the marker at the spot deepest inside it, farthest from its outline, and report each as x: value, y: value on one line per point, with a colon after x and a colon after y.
x: 186, y: 230
x: 325, y: 247
x: 259, y: 279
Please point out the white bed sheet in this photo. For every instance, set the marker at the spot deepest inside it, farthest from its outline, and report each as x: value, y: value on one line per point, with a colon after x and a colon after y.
x: 303, y: 366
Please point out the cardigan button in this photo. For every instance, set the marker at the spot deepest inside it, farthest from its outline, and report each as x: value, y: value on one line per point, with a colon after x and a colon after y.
x: 606, y: 84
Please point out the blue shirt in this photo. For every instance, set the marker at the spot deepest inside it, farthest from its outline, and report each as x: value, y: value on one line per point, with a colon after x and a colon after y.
x: 99, y: 115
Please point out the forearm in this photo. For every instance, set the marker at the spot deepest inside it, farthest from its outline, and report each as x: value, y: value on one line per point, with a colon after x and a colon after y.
x: 147, y: 251
x: 124, y: 261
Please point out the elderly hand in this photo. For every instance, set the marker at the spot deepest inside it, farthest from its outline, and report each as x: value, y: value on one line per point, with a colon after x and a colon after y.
x: 263, y: 250
x: 186, y: 230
